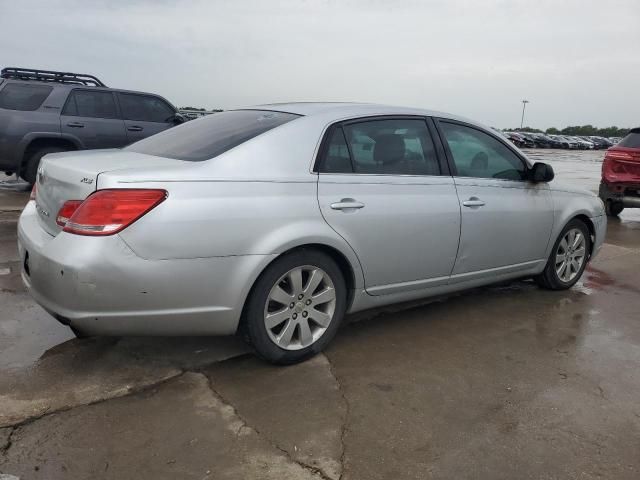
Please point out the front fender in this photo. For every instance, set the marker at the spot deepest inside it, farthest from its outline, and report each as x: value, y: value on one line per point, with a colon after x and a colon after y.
x: 569, y: 205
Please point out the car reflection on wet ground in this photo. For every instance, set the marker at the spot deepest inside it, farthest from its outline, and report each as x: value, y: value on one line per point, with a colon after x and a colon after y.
x: 508, y: 381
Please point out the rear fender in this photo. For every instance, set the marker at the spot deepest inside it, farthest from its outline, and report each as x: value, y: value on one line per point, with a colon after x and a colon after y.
x: 29, y: 138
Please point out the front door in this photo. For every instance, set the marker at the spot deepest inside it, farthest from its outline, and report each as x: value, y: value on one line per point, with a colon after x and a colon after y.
x: 380, y: 187
x: 92, y: 117
x: 506, y: 219
x: 144, y: 115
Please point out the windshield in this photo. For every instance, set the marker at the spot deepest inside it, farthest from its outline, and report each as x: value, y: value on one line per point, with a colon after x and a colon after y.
x: 210, y: 136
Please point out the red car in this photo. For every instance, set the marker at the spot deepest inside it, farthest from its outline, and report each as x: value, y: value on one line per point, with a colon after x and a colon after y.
x: 620, y: 184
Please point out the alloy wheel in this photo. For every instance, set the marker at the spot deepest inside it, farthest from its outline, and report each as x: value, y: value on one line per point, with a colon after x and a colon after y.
x: 300, y: 307
x: 570, y: 255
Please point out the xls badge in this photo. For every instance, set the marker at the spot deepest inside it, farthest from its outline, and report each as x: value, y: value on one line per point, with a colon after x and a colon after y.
x: 41, y: 210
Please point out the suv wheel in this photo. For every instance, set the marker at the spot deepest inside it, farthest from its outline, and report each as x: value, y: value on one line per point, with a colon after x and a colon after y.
x: 30, y: 168
x: 568, y: 258
x: 613, y: 208
x: 296, y: 307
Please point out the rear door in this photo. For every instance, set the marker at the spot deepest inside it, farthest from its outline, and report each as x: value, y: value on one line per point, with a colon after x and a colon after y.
x: 92, y: 116
x: 382, y: 188
x: 144, y: 115
x: 506, y: 220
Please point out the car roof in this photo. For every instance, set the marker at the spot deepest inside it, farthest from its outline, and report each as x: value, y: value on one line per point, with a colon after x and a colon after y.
x: 351, y: 109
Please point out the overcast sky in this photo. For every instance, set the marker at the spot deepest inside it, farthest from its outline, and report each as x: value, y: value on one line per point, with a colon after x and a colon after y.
x: 577, y: 62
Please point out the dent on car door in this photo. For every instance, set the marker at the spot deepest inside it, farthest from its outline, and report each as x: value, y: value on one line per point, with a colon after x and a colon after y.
x: 144, y: 115
x: 506, y: 220
x: 380, y: 187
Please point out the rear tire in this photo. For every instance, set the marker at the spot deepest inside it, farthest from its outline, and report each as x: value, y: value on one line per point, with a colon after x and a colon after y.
x: 570, y: 252
x: 295, y: 307
x: 30, y: 168
x: 613, y: 208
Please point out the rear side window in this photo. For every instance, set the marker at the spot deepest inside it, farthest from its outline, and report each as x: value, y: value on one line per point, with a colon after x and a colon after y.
x: 145, y: 108
x: 212, y: 135
x: 93, y: 104
x: 387, y: 147
x: 337, y: 158
x: 23, y: 96
x: 632, y: 140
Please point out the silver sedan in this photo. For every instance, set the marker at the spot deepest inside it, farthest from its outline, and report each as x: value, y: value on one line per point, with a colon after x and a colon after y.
x: 274, y: 221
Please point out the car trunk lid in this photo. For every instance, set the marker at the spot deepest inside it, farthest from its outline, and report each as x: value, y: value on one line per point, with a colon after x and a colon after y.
x: 74, y: 176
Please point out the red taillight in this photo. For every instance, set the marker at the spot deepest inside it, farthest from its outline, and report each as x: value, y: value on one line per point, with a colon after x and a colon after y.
x: 67, y: 210
x: 34, y: 190
x: 617, y: 155
x: 106, y: 212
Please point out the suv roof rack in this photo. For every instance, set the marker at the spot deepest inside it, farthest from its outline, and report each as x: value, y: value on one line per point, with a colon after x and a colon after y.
x: 51, y: 76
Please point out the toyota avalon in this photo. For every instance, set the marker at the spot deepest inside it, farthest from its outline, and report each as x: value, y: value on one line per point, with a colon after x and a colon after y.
x: 274, y: 221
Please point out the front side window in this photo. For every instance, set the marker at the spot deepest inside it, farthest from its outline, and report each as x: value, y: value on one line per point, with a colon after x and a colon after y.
x: 210, y: 136
x: 388, y: 147
x: 24, y: 97
x: 477, y: 154
x: 92, y: 104
x: 144, y: 108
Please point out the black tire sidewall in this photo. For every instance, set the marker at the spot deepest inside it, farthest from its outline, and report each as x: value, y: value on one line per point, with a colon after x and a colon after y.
x: 253, y: 318
x: 550, y: 270
x: 30, y: 169
x: 613, y: 208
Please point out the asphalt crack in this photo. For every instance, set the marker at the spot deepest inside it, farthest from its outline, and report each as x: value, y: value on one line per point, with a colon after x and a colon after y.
x: 245, y: 425
x: 345, y: 420
x: 4, y: 449
x: 130, y: 391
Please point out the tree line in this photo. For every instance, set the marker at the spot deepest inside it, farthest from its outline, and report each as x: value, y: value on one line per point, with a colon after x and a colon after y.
x: 585, y: 130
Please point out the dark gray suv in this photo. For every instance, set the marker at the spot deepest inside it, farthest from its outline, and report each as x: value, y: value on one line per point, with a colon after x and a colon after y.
x: 43, y: 112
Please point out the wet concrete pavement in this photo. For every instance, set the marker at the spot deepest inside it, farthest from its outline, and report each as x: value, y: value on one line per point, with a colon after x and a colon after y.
x: 505, y: 382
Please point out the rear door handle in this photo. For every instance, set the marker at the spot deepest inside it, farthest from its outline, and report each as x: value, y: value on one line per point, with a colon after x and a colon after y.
x: 134, y: 128
x: 473, y: 202
x: 75, y: 125
x: 346, y: 204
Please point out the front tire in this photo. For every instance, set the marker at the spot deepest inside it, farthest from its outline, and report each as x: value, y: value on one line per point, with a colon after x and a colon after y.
x: 568, y: 257
x: 296, y: 306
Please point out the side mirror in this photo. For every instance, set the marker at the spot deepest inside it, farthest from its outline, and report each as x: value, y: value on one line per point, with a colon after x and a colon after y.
x: 177, y: 119
x: 541, y: 172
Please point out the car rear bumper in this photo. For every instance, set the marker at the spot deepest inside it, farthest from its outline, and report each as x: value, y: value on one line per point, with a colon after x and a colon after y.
x: 627, y: 193
x: 98, y: 285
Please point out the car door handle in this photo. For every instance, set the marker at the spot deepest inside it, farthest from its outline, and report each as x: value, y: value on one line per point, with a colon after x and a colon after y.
x: 346, y: 204
x: 473, y: 202
x: 75, y: 125
x: 134, y: 128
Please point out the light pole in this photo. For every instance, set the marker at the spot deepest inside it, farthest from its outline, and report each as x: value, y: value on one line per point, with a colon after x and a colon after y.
x: 524, y: 105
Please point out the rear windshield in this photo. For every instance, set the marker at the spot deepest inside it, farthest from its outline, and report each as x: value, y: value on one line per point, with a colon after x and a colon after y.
x: 210, y: 136
x: 632, y: 140
x: 23, y: 96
